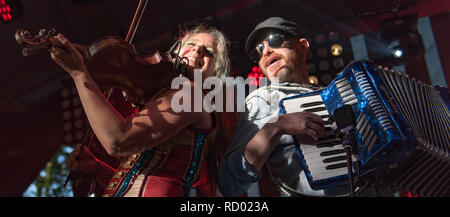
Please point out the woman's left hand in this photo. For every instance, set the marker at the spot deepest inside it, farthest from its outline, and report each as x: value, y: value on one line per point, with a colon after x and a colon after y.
x: 64, y: 53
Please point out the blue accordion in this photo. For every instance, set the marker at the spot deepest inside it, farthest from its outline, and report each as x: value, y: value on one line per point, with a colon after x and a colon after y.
x: 402, y: 131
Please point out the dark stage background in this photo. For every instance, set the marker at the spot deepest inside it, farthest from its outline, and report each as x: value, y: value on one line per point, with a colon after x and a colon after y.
x: 31, y: 110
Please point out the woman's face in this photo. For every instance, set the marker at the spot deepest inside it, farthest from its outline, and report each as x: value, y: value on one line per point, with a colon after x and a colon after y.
x: 200, y: 50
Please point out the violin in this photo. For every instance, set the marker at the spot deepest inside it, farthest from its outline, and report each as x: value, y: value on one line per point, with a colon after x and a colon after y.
x: 112, y: 62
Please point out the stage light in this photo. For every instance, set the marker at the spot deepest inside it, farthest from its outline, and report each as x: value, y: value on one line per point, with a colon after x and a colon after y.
x: 313, y: 79
x: 67, y: 126
x: 68, y: 138
x: 75, y: 121
x: 67, y: 115
x: 329, y: 54
x: 398, y: 53
x: 320, y: 38
x: 338, y: 63
x: 336, y: 49
x: 77, y: 112
x: 65, y: 103
x: 78, y: 123
x: 64, y: 92
x: 311, y: 68
x: 79, y: 135
x: 324, y: 65
x: 322, y: 52
x: 334, y: 36
x: 10, y: 10
x: 255, y: 73
x: 76, y: 101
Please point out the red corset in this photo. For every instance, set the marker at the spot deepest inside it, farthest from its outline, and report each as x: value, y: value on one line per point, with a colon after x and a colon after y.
x: 167, y: 170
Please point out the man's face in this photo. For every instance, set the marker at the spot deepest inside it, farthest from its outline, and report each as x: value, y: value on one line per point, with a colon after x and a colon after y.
x: 280, y: 61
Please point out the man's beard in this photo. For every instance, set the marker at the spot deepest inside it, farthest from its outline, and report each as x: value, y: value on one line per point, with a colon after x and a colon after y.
x: 284, y: 74
x: 289, y: 72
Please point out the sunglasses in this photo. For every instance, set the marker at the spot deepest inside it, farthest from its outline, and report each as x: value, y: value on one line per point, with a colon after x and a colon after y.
x: 274, y: 40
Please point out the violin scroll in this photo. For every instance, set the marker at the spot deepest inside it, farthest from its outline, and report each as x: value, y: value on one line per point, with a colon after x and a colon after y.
x: 36, y: 43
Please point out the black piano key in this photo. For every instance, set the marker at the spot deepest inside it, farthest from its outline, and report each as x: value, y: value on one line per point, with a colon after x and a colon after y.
x: 324, y: 116
x: 333, y: 159
x: 329, y: 137
x: 336, y: 166
x: 318, y: 109
x: 328, y: 145
x: 311, y: 104
x: 332, y: 152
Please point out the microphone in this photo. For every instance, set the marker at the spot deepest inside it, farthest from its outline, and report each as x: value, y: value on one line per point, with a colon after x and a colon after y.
x: 345, y: 121
x: 344, y: 117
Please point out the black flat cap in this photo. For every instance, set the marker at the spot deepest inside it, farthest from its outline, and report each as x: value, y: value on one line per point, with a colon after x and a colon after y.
x: 278, y: 23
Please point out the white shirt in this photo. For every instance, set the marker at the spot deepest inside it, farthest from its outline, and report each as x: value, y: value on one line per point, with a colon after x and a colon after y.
x: 235, y: 173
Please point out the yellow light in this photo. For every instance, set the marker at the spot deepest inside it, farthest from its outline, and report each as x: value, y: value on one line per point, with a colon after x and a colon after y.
x: 336, y: 49
x: 313, y: 79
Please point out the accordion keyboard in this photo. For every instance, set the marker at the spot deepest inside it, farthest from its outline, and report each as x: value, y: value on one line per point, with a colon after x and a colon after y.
x: 326, y: 158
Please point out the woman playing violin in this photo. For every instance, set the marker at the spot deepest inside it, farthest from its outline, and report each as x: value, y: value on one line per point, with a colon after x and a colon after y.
x: 164, y: 150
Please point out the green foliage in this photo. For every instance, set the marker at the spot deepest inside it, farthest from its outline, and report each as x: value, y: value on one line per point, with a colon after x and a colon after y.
x: 50, y: 182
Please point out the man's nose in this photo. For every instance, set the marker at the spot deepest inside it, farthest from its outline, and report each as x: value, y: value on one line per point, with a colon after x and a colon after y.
x: 267, y: 50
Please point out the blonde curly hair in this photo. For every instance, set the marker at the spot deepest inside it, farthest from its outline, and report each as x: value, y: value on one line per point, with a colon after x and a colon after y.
x: 221, y: 58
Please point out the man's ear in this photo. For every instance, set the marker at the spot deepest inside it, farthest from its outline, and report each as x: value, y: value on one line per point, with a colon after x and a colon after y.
x: 304, y: 43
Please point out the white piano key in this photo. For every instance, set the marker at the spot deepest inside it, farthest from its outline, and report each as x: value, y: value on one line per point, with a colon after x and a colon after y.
x: 325, y: 174
x: 319, y: 161
x: 320, y: 167
x: 315, y: 153
x: 312, y: 154
x: 314, y: 146
x: 320, y: 173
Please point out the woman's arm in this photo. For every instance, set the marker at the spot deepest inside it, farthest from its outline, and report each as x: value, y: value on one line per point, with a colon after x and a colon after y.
x: 153, y: 125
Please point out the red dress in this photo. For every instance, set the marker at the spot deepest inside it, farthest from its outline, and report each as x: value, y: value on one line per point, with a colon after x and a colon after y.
x: 167, y: 170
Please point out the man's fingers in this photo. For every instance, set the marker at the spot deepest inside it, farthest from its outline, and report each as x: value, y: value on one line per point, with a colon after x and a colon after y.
x: 313, y: 134
x: 318, y: 129
x: 316, y: 118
